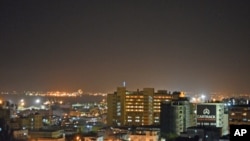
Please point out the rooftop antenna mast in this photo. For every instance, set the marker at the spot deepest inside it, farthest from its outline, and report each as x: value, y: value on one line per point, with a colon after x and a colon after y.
x: 124, y: 84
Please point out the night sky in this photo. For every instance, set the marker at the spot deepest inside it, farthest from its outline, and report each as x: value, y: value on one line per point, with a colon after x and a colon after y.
x: 95, y: 45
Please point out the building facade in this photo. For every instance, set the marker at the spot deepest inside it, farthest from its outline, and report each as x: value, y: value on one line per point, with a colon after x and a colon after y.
x: 145, y: 134
x: 177, y: 115
x: 136, y: 107
x: 208, y: 133
x: 212, y: 114
x: 239, y: 115
x: 43, y: 134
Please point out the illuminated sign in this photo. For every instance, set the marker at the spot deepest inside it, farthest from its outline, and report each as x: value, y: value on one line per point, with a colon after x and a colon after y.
x: 206, y: 113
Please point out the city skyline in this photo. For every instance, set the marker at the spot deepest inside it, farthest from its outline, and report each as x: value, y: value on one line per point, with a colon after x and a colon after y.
x: 194, y: 46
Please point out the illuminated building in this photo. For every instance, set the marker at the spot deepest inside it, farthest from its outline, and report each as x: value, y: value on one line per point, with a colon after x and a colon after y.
x: 212, y: 114
x: 145, y: 134
x: 31, y: 122
x: 136, y: 107
x: 46, y: 134
x: 21, y: 134
x: 239, y: 115
x: 177, y: 115
x: 36, y: 121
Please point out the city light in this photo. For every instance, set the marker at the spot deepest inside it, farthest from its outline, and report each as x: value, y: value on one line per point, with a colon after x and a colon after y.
x: 22, y: 103
x: 37, y: 101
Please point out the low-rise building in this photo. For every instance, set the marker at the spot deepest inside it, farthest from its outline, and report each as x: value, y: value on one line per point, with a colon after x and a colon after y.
x: 145, y: 134
x: 204, y: 133
x: 21, y: 134
x: 46, y: 134
x: 239, y: 114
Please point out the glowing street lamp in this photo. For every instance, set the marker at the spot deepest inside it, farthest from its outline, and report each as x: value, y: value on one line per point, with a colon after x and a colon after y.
x: 78, y: 138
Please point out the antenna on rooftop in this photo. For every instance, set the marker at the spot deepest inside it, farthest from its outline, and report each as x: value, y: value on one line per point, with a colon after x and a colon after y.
x: 124, y: 84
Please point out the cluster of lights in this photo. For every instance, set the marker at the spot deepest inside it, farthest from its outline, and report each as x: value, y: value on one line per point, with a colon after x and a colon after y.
x: 38, y: 102
x: 63, y: 94
x: 56, y: 94
x: 202, y: 98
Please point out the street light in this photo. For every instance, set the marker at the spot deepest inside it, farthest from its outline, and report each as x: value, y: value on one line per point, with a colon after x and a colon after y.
x: 78, y: 138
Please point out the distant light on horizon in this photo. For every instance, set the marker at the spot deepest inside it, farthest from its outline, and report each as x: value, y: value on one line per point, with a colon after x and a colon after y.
x: 38, y: 101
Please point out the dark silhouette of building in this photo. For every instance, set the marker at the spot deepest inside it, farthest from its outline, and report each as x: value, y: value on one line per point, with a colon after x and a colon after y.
x: 177, y: 115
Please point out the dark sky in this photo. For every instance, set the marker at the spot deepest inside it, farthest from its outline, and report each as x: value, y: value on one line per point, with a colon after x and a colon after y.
x: 95, y: 45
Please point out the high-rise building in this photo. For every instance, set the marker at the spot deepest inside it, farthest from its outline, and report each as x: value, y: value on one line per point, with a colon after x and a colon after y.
x: 177, y: 115
x: 136, y: 107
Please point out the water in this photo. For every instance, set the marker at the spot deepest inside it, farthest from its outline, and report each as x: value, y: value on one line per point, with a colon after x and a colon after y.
x: 38, y: 100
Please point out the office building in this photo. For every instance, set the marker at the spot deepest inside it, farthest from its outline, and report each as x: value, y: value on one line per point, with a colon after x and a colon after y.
x: 136, y: 107
x: 177, y: 115
x: 212, y: 114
